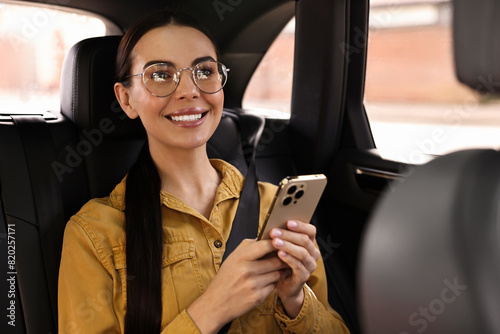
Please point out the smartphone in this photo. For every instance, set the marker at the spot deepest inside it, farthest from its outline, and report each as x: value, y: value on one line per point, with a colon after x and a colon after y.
x: 295, y: 199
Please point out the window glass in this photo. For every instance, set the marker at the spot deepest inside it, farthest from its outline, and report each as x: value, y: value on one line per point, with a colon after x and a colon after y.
x: 416, y: 106
x: 34, y: 41
x: 269, y: 92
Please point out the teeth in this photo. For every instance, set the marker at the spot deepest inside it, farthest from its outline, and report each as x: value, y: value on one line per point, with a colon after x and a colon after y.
x: 185, y: 118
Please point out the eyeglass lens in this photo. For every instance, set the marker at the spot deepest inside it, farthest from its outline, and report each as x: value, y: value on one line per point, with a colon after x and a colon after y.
x: 162, y: 79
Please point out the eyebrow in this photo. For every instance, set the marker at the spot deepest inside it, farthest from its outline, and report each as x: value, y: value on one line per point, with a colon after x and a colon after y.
x: 169, y: 63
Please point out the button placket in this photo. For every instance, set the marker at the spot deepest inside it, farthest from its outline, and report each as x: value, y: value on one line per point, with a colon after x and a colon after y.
x: 215, y: 220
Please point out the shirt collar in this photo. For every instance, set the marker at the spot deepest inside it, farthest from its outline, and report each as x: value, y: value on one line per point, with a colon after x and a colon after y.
x: 232, y: 179
x: 231, y: 185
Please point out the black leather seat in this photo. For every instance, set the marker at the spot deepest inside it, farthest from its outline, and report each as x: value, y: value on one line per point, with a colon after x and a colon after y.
x: 431, y: 254
x: 50, y: 168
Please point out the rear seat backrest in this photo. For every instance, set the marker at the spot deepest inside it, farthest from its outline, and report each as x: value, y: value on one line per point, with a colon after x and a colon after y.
x: 94, y: 145
x: 108, y: 141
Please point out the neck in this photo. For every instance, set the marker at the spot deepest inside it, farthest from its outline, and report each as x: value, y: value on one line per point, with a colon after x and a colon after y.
x: 188, y: 175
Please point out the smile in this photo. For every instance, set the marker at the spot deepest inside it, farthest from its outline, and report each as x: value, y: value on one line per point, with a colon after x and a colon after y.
x: 187, y: 118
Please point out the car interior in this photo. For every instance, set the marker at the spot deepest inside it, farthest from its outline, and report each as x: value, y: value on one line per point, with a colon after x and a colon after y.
x: 403, y: 254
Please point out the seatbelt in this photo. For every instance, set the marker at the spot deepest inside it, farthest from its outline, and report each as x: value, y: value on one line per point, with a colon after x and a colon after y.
x: 246, y: 219
x: 40, y: 153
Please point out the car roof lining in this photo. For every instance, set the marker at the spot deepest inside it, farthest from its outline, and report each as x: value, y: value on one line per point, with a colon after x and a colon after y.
x: 243, y: 30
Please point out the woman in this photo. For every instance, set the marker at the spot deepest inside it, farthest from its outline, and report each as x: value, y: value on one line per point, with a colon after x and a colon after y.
x: 147, y: 259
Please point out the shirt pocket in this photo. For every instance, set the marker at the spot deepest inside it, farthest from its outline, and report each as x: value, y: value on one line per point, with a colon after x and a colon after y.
x: 181, y: 278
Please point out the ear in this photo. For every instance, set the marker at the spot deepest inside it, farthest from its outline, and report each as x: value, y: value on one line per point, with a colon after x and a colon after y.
x: 123, y: 97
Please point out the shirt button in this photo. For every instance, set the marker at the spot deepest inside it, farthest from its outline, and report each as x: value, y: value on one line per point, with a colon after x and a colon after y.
x: 218, y: 244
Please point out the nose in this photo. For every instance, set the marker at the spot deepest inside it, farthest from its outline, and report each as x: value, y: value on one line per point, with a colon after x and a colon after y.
x: 186, y: 88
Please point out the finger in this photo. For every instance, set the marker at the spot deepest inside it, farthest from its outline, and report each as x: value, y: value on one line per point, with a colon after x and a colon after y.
x: 270, y: 264
x: 263, y: 285
x: 298, y: 239
x: 301, y: 227
x: 269, y: 278
x: 288, y: 250
x: 252, y: 250
x: 268, y: 289
x: 297, y: 267
x: 259, y: 287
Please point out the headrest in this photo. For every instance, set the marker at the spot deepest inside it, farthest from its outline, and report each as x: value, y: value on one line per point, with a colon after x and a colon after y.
x: 430, y: 259
x: 476, y: 44
x: 87, y: 94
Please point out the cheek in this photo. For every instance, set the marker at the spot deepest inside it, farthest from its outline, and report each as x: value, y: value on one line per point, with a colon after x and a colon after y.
x: 147, y: 103
x: 216, y: 100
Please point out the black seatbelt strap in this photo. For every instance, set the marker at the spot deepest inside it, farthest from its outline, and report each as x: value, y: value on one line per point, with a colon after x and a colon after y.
x: 246, y: 219
x: 40, y: 154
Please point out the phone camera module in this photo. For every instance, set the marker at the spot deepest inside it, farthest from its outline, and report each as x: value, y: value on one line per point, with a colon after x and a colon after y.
x: 287, y: 200
x: 291, y: 190
x: 299, y: 194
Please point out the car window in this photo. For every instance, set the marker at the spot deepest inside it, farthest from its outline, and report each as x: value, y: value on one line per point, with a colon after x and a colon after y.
x: 34, y: 42
x: 269, y: 91
x: 414, y: 102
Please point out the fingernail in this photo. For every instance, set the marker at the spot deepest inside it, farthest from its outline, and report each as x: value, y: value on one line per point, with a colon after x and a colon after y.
x: 282, y: 253
x: 292, y: 224
x: 276, y: 233
x: 278, y: 242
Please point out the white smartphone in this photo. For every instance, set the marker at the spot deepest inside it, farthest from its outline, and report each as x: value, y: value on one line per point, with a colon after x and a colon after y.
x: 295, y: 199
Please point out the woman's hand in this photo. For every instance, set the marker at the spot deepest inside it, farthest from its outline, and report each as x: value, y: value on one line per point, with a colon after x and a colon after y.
x: 243, y: 282
x: 296, y: 247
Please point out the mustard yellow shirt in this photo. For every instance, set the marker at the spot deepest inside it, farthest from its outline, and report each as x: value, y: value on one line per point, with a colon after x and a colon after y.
x: 92, y: 278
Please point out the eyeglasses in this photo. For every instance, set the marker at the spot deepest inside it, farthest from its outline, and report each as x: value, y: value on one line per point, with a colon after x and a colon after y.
x: 161, y: 79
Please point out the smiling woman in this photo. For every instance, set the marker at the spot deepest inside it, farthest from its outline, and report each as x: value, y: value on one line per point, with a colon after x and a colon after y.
x: 156, y: 244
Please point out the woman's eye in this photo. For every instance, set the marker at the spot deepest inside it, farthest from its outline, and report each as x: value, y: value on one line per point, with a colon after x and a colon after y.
x: 204, y: 73
x: 160, y: 76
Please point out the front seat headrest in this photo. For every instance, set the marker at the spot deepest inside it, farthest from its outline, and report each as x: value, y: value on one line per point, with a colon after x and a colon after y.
x: 87, y: 95
x: 430, y: 259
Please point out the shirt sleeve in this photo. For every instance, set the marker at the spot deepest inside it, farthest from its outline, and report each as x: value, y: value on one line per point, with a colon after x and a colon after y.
x: 88, y: 294
x: 316, y: 315
x: 181, y: 324
x: 85, y: 294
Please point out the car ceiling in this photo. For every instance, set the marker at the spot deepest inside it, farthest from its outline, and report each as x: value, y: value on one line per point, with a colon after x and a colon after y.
x: 243, y: 30
x: 226, y: 19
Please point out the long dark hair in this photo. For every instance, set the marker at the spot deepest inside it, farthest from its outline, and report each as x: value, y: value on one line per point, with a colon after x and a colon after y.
x: 143, y: 220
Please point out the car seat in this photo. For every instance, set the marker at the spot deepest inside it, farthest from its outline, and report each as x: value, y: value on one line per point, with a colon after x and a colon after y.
x: 430, y: 260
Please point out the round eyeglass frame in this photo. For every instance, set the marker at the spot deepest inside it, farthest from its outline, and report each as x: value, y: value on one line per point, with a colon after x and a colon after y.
x: 178, y: 76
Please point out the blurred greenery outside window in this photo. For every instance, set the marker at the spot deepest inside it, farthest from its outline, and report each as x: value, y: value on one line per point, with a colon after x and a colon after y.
x: 416, y: 106
x: 34, y: 41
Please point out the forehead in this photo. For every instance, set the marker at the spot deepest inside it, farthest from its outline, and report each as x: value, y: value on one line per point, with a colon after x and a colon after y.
x: 177, y: 44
